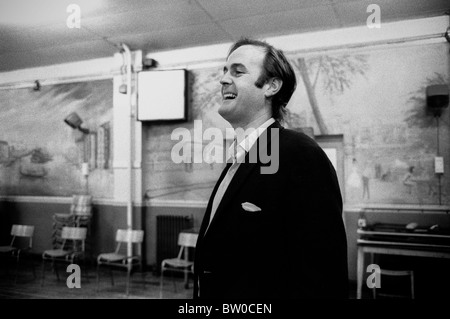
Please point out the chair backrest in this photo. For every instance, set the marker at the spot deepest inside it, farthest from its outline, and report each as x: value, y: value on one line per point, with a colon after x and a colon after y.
x: 75, y: 234
x: 81, y: 205
x: 129, y: 235
x: 187, y: 239
x: 22, y: 231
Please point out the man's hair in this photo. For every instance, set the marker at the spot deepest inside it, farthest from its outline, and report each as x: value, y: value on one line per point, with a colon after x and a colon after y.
x: 275, y: 65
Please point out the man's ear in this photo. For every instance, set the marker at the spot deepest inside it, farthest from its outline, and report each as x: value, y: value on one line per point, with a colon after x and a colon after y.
x: 274, y: 85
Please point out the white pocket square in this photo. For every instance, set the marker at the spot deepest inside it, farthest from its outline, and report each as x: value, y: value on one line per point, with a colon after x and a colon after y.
x: 250, y: 207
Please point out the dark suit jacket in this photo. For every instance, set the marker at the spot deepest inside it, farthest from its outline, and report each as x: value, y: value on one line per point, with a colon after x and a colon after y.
x: 295, y: 247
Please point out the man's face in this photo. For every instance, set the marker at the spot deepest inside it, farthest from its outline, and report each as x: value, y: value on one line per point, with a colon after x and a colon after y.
x: 241, y: 99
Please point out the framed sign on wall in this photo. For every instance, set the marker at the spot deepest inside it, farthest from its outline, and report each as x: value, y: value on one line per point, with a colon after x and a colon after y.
x: 162, y: 95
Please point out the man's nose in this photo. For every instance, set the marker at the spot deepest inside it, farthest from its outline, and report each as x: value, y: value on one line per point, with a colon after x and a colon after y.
x: 225, y: 79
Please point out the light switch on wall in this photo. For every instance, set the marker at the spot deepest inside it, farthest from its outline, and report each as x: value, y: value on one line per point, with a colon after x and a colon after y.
x: 439, y: 165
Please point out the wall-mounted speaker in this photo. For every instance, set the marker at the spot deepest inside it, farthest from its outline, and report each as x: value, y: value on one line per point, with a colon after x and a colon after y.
x: 437, y: 98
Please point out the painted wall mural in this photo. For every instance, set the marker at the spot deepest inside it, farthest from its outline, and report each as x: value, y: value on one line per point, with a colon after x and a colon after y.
x: 374, y: 97
x: 40, y: 155
x: 166, y: 180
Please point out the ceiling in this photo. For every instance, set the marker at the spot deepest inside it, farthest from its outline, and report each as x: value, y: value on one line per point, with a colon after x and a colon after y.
x: 35, y: 33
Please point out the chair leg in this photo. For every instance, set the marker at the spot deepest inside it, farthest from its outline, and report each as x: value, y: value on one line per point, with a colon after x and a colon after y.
x: 111, y: 275
x: 86, y: 269
x: 32, y: 265
x: 161, y: 284
x: 55, y: 269
x: 98, y: 276
x: 7, y: 261
x: 17, y: 269
x: 128, y: 280
x: 174, y: 283
x: 186, y: 276
x: 141, y: 268
x: 43, y: 273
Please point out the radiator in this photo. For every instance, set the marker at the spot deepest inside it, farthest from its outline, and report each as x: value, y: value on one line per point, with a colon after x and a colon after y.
x: 167, y: 228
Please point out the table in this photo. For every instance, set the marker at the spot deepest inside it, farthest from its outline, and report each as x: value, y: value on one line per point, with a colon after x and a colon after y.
x: 392, y: 247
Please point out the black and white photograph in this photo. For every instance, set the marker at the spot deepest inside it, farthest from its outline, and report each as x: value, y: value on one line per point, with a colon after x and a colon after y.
x: 208, y: 151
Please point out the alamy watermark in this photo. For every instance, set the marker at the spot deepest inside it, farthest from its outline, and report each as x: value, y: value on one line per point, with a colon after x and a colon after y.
x: 74, y: 280
x: 74, y: 19
x: 191, y: 149
x: 374, y: 279
x: 374, y: 19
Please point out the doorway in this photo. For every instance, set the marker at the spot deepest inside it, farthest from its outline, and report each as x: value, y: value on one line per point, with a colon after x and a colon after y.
x: 333, y: 146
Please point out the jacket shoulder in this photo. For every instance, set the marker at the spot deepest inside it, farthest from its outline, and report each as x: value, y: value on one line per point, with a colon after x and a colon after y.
x: 297, y: 140
x: 298, y: 148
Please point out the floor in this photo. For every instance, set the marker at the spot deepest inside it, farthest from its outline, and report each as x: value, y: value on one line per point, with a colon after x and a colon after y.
x: 143, y: 285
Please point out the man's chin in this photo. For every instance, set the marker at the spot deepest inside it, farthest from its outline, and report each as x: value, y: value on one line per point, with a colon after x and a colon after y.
x: 224, y: 112
x: 229, y: 113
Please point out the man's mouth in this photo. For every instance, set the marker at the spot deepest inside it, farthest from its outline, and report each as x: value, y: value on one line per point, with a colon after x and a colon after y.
x: 229, y: 96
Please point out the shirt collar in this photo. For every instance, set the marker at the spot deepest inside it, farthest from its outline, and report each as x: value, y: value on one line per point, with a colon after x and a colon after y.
x: 250, y: 137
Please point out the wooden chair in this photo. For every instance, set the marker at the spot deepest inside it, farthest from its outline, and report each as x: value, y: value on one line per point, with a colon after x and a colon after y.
x: 19, y: 247
x: 119, y: 257
x: 396, y: 273
x: 72, y: 249
x: 180, y: 263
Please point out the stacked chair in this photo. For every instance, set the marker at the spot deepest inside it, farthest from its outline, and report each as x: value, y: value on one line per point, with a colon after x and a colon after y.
x: 70, y: 235
x: 79, y: 216
x: 71, y: 250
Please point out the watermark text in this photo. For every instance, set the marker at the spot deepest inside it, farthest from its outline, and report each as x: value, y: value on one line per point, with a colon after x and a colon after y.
x: 374, y: 279
x: 191, y: 147
x: 74, y: 280
x: 374, y: 19
x: 74, y: 18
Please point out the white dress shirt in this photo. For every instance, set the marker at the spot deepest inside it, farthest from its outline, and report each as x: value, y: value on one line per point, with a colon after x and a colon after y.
x: 250, y: 137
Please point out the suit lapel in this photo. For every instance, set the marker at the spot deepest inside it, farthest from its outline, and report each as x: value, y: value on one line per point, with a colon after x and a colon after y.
x: 207, y: 215
x: 243, y: 172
